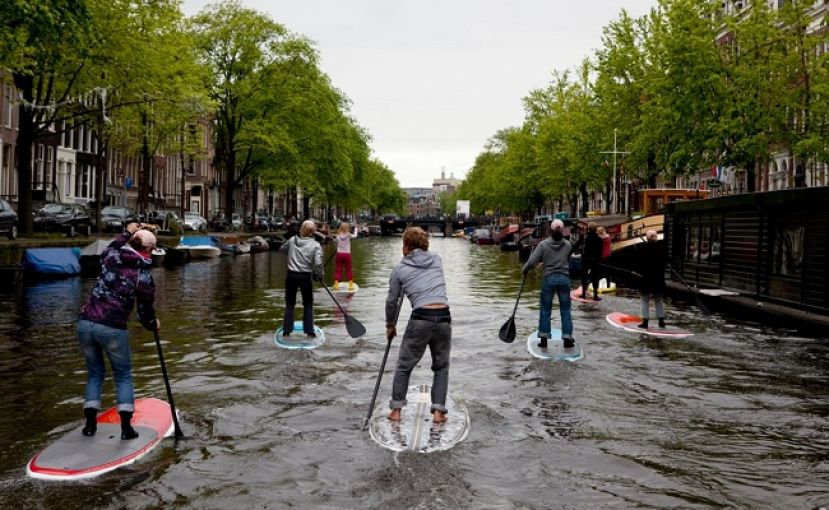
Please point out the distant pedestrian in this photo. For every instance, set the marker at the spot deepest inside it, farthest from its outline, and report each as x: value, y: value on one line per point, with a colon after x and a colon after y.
x: 125, y: 280
x: 555, y: 253
x: 651, y: 261
x: 420, y: 277
x: 342, y: 260
x: 304, y: 266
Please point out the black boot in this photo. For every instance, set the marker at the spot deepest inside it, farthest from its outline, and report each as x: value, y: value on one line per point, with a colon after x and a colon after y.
x: 569, y: 342
x: 662, y: 323
x: 91, y: 415
x: 644, y: 324
x: 542, y: 341
x: 127, y: 432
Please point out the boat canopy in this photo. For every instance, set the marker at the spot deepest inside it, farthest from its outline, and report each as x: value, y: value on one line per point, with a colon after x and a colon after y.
x: 53, y: 261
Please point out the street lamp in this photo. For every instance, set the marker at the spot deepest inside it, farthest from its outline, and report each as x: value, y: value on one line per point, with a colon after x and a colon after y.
x: 614, y: 189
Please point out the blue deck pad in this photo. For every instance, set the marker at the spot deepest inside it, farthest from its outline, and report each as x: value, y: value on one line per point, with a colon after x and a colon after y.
x: 298, y: 339
x: 555, y: 350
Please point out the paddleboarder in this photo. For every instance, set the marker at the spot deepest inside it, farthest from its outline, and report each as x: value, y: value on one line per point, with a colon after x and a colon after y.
x: 651, y: 260
x: 304, y: 266
x: 342, y: 261
x: 554, y: 252
x: 419, y: 276
x: 125, y: 280
x: 591, y: 257
x: 607, y: 248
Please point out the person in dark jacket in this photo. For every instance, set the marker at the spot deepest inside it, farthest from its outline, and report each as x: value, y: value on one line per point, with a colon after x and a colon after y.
x: 420, y: 277
x: 125, y: 280
x: 555, y: 253
x: 591, y: 258
x: 651, y: 260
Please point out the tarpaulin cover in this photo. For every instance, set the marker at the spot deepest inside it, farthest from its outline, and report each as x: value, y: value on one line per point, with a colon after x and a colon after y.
x: 54, y: 261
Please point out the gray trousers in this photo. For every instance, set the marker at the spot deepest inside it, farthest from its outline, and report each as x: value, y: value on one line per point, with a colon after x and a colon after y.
x: 420, y: 334
x: 657, y: 302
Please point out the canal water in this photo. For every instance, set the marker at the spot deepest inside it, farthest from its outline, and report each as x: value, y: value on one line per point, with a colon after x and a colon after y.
x: 735, y: 416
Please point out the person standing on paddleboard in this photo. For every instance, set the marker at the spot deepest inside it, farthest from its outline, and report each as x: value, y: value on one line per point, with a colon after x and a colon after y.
x: 419, y: 276
x: 342, y: 260
x: 651, y: 260
x: 125, y: 280
x: 555, y: 253
x: 590, y: 260
x: 304, y: 266
x: 607, y: 248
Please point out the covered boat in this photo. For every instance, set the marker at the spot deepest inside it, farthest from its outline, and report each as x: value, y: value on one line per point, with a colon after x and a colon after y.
x: 90, y: 258
x: 258, y: 243
x: 52, y: 261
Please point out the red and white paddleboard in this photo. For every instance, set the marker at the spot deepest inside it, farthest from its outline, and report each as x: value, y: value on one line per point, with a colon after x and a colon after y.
x: 631, y: 323
x: 75, y: 456
x: 575, y: 295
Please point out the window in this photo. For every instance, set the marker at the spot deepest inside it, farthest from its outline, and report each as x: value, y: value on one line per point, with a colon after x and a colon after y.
x: 9, y: 105
x: 789, y: 244
x: 68, y: 177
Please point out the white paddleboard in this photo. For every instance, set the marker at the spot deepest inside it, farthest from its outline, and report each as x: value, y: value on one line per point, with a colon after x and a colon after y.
x: 298, y: 339
x: 342, y: 288
x: 75, y: 456
x: 416, y: 431
x: 630, y: 324
x: 555, y: 350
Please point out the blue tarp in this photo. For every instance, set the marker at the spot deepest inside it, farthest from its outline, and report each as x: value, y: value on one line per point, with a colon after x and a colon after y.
x: 53, y: 261
x: 197, y: 241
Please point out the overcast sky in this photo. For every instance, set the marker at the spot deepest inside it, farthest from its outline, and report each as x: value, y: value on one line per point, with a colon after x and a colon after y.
x: 433, y: 80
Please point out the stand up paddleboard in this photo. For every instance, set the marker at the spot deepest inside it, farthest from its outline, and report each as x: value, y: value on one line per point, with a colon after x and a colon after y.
x: 555, y: 350
x: 604, y: 288
x: 75, y: 456
x: 575, y: 295
x: 298, y: 339
x: 630, y: 324
x: 342, y: 288
x: 416, y: 431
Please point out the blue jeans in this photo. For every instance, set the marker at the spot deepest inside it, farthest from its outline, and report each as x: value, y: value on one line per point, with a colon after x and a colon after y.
x: 97, y: 339
x: 558, y: 283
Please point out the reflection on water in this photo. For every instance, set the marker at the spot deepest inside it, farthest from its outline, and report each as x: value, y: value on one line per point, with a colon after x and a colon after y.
x: 734, y: 416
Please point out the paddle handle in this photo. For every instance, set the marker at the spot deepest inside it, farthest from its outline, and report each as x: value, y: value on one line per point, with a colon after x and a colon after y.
x: 382, y: 366
x: 523, y: 281
x: 178, y: 432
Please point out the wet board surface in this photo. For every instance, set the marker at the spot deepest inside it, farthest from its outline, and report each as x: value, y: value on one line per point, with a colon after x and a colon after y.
x: 555, y: 350
x: 416, y: 431
x: 75, y: 456
x: 630, y: 323
x: 575, y: 295
x: 343, y: 289
x: 297, y: 339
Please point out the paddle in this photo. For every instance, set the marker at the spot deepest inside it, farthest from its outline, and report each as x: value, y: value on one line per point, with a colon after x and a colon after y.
x: 354, y: 327
x: 382, y: 367
x: 507, y: 332
x: 178, y: 432
x: 702, y: 307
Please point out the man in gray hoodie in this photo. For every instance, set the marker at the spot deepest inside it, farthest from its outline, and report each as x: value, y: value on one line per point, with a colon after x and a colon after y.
x: 420, y: 277
x: 555, y: 253
x: 304, y: 266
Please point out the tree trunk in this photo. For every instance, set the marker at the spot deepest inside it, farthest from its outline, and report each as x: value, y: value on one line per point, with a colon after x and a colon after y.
x: 144, y: 176
x: 100, y: 181
x: 23, y: 148
x: 584, y: 197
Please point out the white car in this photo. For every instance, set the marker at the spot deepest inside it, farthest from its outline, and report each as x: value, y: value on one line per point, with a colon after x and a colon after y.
x: 192, y: 221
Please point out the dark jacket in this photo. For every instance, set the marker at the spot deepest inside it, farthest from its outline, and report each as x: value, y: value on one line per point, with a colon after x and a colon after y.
x: 593, y: 247
x: 125, y: 279
x: 651, y: 264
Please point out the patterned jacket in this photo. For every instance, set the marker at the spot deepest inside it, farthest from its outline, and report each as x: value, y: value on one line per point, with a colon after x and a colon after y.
x: 124, y: 279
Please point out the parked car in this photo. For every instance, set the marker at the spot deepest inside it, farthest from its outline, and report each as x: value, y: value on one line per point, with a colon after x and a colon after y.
x: 165, y: 219
x: 258, y: 223
x: 69, y: 218
x: 236, y: 221
x: 115, y: 218
x: 219, y: 223
x: 192, y: 221
x: 8, y: 220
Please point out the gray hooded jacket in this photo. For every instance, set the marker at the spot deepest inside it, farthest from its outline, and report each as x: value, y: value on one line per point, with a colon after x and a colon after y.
x: 420, y: 277
x: 554, y: 254
x: 304, y: 255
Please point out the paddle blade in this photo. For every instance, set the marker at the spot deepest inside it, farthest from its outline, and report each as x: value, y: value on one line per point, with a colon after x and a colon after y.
x: 354, y: 327
x: 507, y: 332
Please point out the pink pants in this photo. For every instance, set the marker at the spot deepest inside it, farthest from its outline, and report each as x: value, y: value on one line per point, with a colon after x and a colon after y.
x: 342, y: 261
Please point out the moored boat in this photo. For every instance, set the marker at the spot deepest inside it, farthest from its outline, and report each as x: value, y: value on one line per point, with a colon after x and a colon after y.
x: 199, y: 247
x: 257, y: 244
x: 158, y: 256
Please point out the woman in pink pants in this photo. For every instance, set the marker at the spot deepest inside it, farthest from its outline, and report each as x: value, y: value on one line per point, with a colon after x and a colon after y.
x: 342, y: 261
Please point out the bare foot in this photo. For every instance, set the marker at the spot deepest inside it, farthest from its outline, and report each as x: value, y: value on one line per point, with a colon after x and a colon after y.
x: 394, y: 415
x: 438, y: 416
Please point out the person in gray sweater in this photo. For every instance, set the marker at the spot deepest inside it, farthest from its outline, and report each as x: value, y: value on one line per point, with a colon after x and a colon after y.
x: 304, y: 266
x: 554, y: 252
x: 419, y: 276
